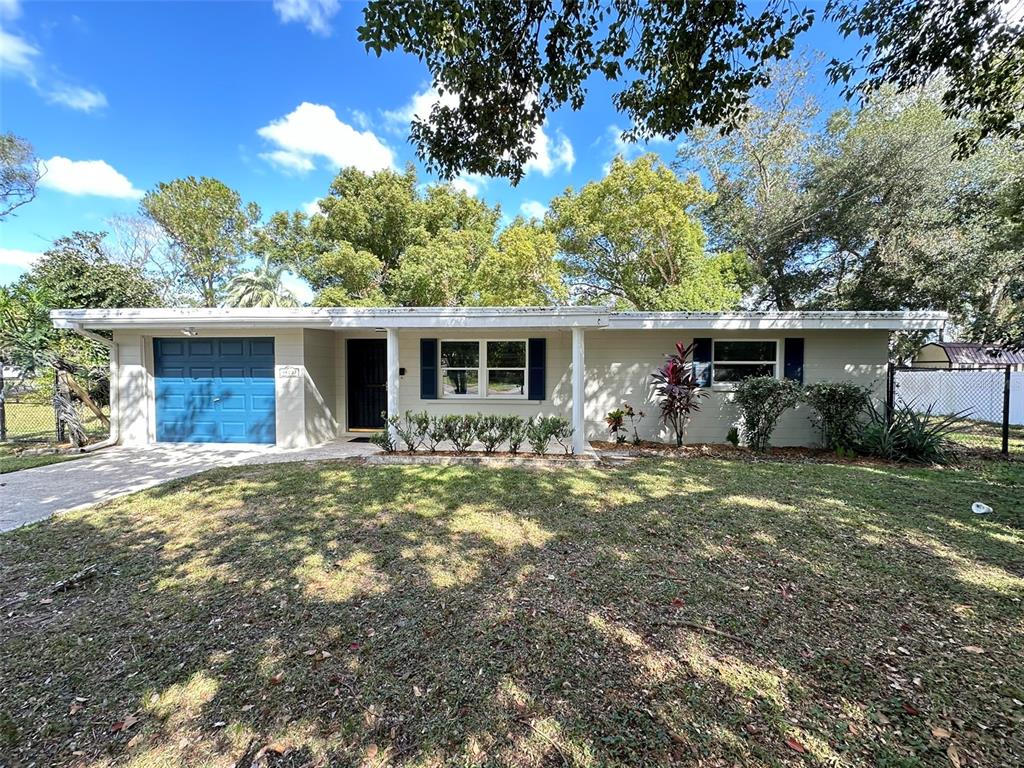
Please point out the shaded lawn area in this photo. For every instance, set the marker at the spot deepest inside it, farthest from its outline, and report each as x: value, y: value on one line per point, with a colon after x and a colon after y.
x: 985, y: 436
x: 331, y: 614
x: 11, y: 461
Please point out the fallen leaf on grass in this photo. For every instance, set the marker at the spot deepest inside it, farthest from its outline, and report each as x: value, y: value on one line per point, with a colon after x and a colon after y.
x: 940, y: 733
x: 796, y: 746
x: 973, y: 649
x: 275, y: 747
x: 124, y: 725
x: 954, y: 756
x: 910, y: 709
x: 277, y: 679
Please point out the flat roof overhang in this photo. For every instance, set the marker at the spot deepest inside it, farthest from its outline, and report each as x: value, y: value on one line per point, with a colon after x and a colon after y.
x: 488, y: 317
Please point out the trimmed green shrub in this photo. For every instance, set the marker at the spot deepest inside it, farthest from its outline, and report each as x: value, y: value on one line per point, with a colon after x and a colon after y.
x: 543, y: 430
x: 459, y: 430
x: 562, y: 433
x: 411, y: 428
x: 383, y: 440
x: 762, y: 400
x: 907, y: 435
x: 490, y: 430
x: 839, y: 411
x: 515, y: 429
x: 733, y: 437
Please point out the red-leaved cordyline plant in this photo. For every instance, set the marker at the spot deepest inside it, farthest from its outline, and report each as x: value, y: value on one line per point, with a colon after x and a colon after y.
x: 677, y: 390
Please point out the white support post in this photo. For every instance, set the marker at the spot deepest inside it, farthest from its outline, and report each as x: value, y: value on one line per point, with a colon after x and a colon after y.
x: 393, y: 377
x: 579, y: 440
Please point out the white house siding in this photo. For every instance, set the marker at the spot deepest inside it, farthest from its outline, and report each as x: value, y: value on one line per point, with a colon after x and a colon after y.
x: 619, y: 363
x: 322, y: 373
x: 136, y: 411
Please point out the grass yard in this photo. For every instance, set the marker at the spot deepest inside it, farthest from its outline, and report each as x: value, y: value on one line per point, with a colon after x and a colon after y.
x: 12, y: 461
x: 34, y: 422
x: 985, y: 436
x: 696, y: 612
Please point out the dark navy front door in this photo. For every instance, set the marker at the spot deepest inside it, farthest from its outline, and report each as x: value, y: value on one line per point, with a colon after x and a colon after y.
x: 217, y: 390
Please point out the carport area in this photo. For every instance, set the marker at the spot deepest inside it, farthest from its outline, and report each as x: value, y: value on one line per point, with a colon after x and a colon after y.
x: 35, y: 494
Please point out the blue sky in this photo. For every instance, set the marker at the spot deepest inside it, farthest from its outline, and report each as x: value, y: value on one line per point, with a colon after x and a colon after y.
x: 269, y: 97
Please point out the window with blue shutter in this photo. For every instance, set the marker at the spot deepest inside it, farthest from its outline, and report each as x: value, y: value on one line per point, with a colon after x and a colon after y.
x: 702, y: 361
x: 793, y: 359
x: 428, y: 369
x: 537, y: 363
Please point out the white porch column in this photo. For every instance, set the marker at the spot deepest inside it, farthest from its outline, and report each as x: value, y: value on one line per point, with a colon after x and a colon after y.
x: 579, y: 440
x: 393, y: 377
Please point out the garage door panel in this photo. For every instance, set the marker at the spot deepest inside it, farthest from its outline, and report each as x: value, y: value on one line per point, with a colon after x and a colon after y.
x: 215, y: 390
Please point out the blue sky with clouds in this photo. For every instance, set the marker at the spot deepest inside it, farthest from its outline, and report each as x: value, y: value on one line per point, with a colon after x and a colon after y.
x: 269, y: 97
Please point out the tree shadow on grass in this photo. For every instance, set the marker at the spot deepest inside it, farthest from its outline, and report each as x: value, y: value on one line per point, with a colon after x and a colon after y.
x: 432, y: 615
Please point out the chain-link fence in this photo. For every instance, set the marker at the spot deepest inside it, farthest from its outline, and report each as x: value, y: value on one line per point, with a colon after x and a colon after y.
x: 990, y: 400
x: 29, y: 414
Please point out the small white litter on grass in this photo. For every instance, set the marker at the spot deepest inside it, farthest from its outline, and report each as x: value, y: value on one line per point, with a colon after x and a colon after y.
x: 981, y: 509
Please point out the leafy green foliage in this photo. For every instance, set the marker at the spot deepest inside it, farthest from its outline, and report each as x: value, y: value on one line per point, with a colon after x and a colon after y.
x: 20, y: 171
x: 733, y: 437
x: 384, y: 441
x: 260, y: 287
x: 490, y: 431
x: 516, y: 429
x: 411, y: 428
x: 459, y: 429
x: 382, y: 240
x: 677, y: 391
x: 633, y: 236
x: 616, y: 421
x: 839, y: 408
x: 541, y: 430
x: 761, y: 401
x: 210, y: 229
x: 505, y: 66
x: 906, y: 435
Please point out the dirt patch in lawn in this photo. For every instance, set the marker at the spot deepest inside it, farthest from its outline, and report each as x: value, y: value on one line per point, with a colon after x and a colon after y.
x: 704, y: 612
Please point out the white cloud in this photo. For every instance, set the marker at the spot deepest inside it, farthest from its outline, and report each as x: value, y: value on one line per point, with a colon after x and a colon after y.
x: 314, y: 130
x: 76, y: 97
x: 550, y: 156
x: 420, y: 105
x: 19, y: 57
x: 470, y: 183
x: 302, y: 290
x: 315, y: 14
x: 10, y: 9
x: 15, y: 257
x: 87, y: 177
x: 533, y: 209
x: 312, y: 207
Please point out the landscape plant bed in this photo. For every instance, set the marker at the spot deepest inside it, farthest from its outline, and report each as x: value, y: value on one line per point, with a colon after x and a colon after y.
x: 707, y: 612
x: 495, y: 459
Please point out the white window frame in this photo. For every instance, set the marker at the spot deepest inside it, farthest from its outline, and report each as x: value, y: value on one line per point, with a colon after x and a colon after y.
x: 483, y: 371
x: 730, y: 385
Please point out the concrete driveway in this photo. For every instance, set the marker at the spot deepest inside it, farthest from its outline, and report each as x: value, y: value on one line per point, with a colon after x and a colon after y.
x: 35, y: 494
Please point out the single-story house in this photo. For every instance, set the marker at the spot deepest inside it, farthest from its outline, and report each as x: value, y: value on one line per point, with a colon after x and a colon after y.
x: 966, y: 356
x: 299, y: 377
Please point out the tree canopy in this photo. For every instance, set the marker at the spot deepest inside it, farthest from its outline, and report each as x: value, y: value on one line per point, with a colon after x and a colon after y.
x: 504, y: 67
x: 634, y: 237
x: 209, y: 228
x: 20, y: 171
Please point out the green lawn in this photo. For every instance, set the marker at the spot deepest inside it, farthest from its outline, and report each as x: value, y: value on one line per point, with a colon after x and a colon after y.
x: 686, y: 612
x: 985, y: 436
x: 11, y: 460
x: 34, y: 422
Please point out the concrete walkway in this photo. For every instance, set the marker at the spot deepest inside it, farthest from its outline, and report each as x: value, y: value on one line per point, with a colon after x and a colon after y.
x: 34, y: 494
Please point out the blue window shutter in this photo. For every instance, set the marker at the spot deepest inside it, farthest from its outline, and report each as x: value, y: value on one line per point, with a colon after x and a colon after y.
x: 702, y: 361
x: 793, y: 359
x: 428, y: 369
x: 538, y: 354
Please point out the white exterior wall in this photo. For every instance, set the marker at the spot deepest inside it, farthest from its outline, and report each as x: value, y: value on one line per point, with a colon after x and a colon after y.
x: 321, y: 397
x: 619, y: 363
x: 312, y: 402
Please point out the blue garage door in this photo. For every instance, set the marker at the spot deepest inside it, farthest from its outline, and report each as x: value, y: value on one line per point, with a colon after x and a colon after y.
x: 214, y: 390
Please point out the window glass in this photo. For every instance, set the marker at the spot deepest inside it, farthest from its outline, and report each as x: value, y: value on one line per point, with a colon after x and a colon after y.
x: 461, y: 382
x: 744, y: 351
x: 460, y: 354
x: 506, y: 382
x: 506, y: 354
x: 726, y: 373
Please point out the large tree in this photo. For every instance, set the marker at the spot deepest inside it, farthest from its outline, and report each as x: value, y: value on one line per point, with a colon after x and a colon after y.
x: 634, y: 237
x: 522, y: 269
x: 261, y: 286
x: 210, y: 229
x: 758, y: 174
x: 20, y: 171
x: 504, y: 67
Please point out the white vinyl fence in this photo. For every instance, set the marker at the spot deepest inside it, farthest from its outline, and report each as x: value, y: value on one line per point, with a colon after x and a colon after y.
x: 976, y: 394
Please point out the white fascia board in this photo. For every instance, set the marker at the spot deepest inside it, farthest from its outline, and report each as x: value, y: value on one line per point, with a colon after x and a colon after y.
x: 110, y: 319
x: 771, y: 321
